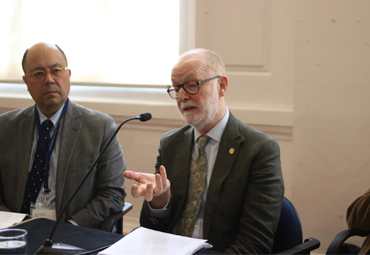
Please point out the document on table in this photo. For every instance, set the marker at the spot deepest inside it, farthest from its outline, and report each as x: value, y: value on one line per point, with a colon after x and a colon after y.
x: 8, y: 219
x: 151, y: 242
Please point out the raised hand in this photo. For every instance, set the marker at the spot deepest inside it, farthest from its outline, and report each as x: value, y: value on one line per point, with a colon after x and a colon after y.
x: 154, y: 188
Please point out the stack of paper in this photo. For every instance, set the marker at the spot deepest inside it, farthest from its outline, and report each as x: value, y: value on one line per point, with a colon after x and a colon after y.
x: 8, y: 219
x: 151, y: 242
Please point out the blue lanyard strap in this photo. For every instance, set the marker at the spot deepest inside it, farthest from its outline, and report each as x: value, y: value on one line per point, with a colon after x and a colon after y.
x: 52, y: 143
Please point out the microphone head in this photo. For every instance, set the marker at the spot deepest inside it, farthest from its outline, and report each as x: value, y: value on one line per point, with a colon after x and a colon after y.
x: 145, y: 116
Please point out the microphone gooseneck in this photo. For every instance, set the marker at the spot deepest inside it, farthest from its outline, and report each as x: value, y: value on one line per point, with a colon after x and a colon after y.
x: 48, y: 242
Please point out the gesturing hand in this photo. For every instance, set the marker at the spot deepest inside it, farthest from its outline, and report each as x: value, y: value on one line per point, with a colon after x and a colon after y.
x: 155, y: 188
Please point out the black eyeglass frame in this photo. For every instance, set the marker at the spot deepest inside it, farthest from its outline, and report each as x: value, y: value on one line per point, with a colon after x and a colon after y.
x: 170, y: 89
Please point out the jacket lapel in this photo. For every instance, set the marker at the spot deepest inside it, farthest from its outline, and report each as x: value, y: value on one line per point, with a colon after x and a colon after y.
x: 69, y: 132
x: 181, y: 175
x: 227, y: 154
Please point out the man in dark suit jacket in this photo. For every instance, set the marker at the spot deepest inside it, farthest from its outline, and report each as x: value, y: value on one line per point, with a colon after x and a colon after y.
x: 358, y: 217
x: 241, y: 204
x: 82, y: 134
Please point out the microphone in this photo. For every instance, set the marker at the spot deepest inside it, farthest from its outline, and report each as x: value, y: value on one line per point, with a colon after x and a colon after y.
x: 48, y: 247
x: 145, y: 116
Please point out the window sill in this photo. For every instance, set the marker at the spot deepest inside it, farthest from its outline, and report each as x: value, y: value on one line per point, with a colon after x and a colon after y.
x: 127, y: 102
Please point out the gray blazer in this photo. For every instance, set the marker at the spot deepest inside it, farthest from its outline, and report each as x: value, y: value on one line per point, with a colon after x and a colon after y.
x: 83, y: 134
x: 245, y: 193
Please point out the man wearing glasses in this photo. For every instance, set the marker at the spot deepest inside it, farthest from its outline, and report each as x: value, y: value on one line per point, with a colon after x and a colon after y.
x: 216, y: 178
x: 47, y: 149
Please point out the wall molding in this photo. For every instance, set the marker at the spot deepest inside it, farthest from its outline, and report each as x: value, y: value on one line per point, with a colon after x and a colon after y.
x: 279, y: 132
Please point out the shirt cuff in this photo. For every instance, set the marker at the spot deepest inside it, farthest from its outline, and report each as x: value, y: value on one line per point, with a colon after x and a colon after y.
x: 73, y: 222
x: 158, y: 213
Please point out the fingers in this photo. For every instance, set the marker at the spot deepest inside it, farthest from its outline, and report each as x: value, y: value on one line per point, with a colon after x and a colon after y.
x: 135, y: 191
x: 131, y: 175
x: 161, y: 181
x: 149, y: 185
x: 163, y: 172
x: 158, y: 185
x: 149, y: 192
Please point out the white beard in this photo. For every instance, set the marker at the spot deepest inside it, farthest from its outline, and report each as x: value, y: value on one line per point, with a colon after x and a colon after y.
x: 206, y: 111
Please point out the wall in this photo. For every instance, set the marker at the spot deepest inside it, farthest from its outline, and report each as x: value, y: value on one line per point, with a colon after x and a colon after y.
x: 298, y: 72
x: 331, y: 141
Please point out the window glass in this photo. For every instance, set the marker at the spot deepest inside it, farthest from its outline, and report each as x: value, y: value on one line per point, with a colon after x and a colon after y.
x: 106, y: 41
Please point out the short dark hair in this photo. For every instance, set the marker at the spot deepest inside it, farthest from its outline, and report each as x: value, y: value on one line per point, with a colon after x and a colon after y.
x: 25, y: 53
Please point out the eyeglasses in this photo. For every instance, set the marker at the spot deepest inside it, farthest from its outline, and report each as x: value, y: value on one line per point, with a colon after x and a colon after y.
x: 56, y: 73
x: 190, y: 87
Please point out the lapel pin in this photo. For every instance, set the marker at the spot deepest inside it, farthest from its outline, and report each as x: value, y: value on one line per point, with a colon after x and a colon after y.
x: 231, y: 150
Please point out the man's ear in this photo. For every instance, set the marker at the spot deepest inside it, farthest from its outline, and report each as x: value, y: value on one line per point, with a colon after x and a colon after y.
x: 224, y: 81
x: 25, y: 81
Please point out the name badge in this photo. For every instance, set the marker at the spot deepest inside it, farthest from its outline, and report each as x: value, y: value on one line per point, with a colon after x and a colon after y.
x: 43, y: 210
x: 44, y: 213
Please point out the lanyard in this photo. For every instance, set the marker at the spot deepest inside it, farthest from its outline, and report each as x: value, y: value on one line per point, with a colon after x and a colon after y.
x: 52, y: 143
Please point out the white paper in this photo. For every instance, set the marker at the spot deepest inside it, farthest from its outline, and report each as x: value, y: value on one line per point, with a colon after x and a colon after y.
x: 8, y: 219
x: 151, y: 242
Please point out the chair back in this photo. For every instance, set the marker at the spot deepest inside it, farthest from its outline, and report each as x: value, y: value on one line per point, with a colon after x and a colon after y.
x: 341, y: 243
x: 289, y: 231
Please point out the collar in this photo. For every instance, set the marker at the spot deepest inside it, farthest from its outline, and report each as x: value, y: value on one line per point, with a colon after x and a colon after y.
x: 53, y: 118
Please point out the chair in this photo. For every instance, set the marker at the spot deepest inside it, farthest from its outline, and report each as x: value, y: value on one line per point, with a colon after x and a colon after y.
x: 288, y: 236
x: 339, y: 245
x: 116, y: 219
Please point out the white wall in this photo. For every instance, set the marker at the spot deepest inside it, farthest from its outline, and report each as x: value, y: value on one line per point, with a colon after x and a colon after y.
x: 331, y: 138
x: 298, y: 72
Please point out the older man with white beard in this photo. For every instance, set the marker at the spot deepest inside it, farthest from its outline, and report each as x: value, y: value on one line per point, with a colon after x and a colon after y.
x: 216, y: 178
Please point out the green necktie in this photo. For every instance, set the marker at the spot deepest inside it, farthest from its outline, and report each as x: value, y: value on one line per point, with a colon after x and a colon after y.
x: 197, y: 180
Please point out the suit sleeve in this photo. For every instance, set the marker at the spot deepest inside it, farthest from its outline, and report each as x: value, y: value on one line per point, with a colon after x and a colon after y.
x: 146, y: 218
x: 108, y: 182
x: 2, y: 205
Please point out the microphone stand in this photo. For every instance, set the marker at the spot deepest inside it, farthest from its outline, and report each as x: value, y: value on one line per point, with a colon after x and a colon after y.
x: 48, y: 247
